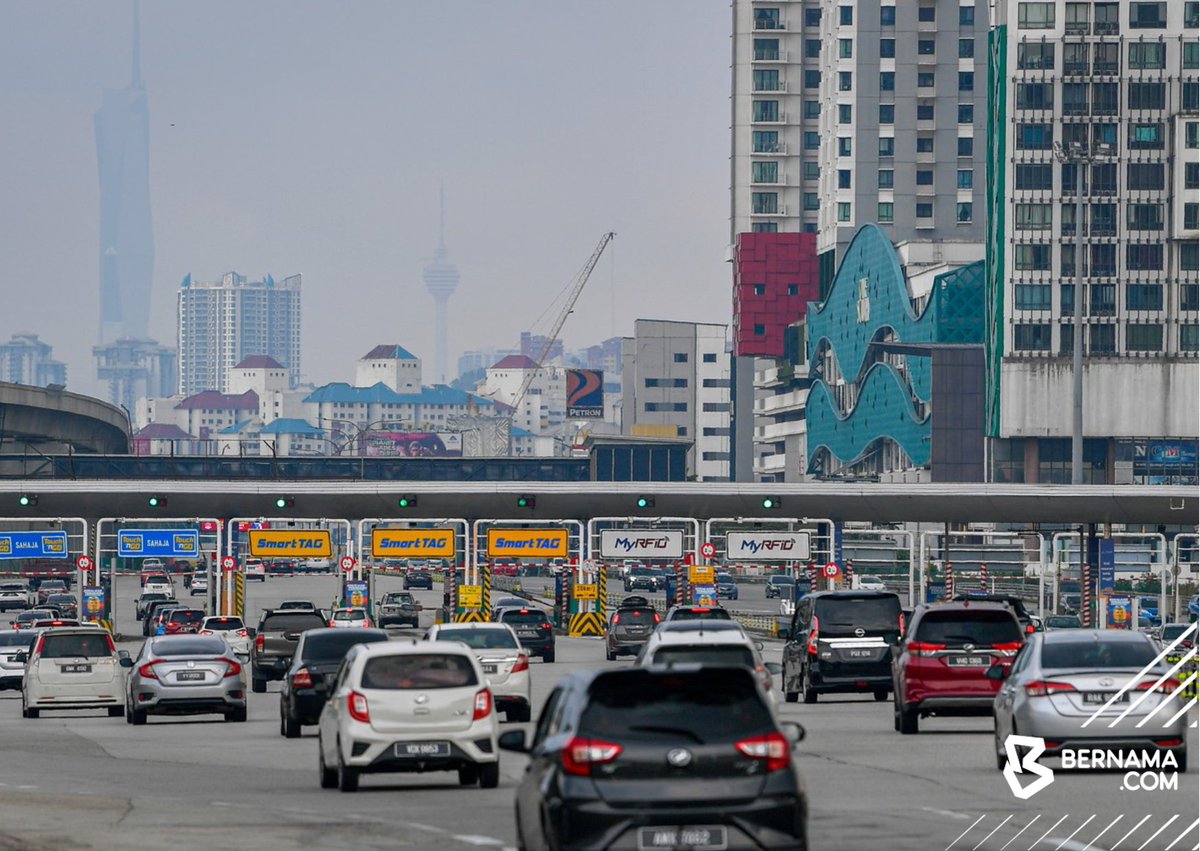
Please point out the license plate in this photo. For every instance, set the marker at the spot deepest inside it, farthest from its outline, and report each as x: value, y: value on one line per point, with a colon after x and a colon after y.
x: 189, y: 676
x: 969, y: 661
x: 695, y: 838
x: 76, y: 669
x: 489, y: 669
x: 419, y: 749
x: 1099, y: 698
x: 527, y: 633
x: 860, y: 654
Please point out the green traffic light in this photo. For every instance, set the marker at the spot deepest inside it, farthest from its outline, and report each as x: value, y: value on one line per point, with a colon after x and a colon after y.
x: 155, y: 501
x: 281, y: 503
x: 408, y: 501
x: 25, y: 500
x: 770, y: 503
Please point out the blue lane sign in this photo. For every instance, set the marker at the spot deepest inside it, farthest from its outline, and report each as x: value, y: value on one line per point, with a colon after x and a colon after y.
x: 143, y: 543
x: 33, y: 545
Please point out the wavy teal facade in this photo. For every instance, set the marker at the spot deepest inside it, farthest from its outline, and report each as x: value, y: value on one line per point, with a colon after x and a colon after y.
x: 869, y: 301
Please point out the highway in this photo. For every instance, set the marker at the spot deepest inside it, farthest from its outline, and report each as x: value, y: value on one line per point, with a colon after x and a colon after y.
x: 82, y: 780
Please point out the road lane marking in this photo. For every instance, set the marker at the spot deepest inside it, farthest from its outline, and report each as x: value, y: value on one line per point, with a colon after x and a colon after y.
x: 426, y: 827
x: 965, y: 832
x: 1019, y: 832
x: 1191, y: 827
x: 946, y: 813
x: 477, y: 840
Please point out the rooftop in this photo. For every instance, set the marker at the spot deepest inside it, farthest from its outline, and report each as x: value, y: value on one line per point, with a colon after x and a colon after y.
x: 212, y: 400
x: 516, y: 362
x: 259, y: 362
x: 345, y: 394
x: 389, y: 351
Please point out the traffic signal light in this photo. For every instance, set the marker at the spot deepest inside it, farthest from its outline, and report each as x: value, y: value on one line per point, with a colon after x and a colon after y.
x: 156, y: 501
x: 408, y: 502
x: 645, y: 502
x: 285, y: 502
x: 771, y: 503
x: 27, y: 500
x: 526, y: 502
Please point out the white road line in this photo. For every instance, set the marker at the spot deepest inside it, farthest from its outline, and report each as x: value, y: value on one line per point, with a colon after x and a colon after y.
x: 1047, y: 833
x: 1145, y: 818
x: 1019, y: 832
x: 946, y: 813
x: 965, y: 832
x: 477, y: 840
x: 1188, y: 830
x: 428, y: 828
x: 1157, y: 832
x: 1072, y: 836
x: 994, y: 829
x: 1096, y: 838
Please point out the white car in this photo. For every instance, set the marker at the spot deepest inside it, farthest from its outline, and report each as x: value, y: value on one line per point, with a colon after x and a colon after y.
x: 16, y: 595
x: 871, y: 583
x: 155, y: 585
x: 350, y: 618
x: 504, y: 661
x: 149, y: 564
x: 232, y: 629
x: 719, y: 643
x: 13, y: 642
x: 74, y: 668
x: 255, y: 569
x: 396, y: 706
x: 199, y: 584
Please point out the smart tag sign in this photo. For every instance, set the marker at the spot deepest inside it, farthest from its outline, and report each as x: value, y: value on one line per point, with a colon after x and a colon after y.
x: 143, y: 543
x: 33, y: 545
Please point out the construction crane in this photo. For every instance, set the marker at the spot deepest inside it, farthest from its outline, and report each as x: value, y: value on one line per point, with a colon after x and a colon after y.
x: 552, y: 336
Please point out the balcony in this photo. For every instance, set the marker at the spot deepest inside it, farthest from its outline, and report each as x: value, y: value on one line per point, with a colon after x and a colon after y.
x: 1078, y: 27
x: 770, y: 118
x: 770, y: 25
x: 780, y: 210
x: 777, y: 148
x: 777, y: 86
x: 770, y: 56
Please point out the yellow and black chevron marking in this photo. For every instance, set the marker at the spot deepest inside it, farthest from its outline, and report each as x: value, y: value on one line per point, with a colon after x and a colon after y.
x: 485, y: 579
x: 472, y: 616
x: 1185, y: 672
x: 239, y: 595
x: 586, y: 623
x: 602, y: 597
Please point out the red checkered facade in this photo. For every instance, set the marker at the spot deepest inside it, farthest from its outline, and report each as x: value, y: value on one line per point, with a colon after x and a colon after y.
x: 783, y: 266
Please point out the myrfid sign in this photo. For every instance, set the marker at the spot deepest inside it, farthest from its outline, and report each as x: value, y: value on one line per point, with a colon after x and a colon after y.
x: 641, y: 543
x: 767, y: 546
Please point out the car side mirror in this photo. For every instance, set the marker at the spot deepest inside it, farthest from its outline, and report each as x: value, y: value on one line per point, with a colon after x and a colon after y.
x: 513, y: 740
x: 125, y: 661
x: 758, y: 645
x: 998, y: 672
x: 21, y: 657
x: 122, y: 654
x: 794, y: 732
x: 773, y: 668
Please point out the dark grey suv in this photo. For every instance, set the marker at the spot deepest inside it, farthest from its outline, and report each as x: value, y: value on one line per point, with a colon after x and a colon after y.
x: 275, y: 641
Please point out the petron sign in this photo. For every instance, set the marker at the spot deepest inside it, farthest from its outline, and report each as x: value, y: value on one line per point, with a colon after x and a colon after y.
x: 767, y: 546
x: 527, y: 543
x: 641, y: 543
x: 412, y: 543
x: 144, y: 543
x: 33, y: 545
x: 293, y: 543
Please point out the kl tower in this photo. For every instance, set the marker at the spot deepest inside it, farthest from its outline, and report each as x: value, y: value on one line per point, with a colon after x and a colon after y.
x: 441, y: 279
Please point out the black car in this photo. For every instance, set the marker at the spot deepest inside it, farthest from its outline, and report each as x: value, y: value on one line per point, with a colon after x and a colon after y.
x: 316, y: 660
x: 642, y: 578
x: 630, y: 626
x: 688, y: 757
x: 841, y: 641
x: 533, y: 629
x: 1024, y: 616
x: 418, y: 579
x: 726, y: 586
x: 776, y: 584
x: 154, y: 608
x: 275, y: 643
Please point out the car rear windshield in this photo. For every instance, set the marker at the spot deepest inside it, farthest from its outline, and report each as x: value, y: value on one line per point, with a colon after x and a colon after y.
x: 187, y: 616
x: 188, y: 647
x: 34, y: 615
x: 332, y: 645
x: 61, y: 598
x: 979, y: 627
x: 224, y: 623
x: 1097, y: 655
x: 1062, y: 622
x: 296, y: 604
x: 636, y: 616
x: 729, y: 654
x: 69, y: 646
x: 690, y: 625
x: 418, y: 670
x: 13, y: 638
x: 479, y: 639
x: 642, y: 571
x: 712, y: 705
x: 714, y: 614
x: 1173, y: 631
x: 522, y: 616
x: 877, y: 612
x: 398, y: 598
x: 356, y: 615
x: 292, y: 623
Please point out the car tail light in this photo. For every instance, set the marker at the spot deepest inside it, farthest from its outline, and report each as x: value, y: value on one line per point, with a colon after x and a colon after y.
x: 547, y: 625
x: 356, y: 704
x: 580, y: 755
x: 1008, y: 647
x: 260, y: 642
x: 700, y: 611
x: 147, y: 671
x: 765, y: 675
x: 657, y: 619
x: 1164, y: 687
x: 772, y: 749
x: 902, y: 623
x: 302, y: 679
x: 1030, y: 629
x: 523, y: 612
x: 232, y: 668
x: 41, y: 643
x: 331, y: 623
x: 206, y: 632
x: 112, y: 648
x: 814, y: 636
x: 522, y: 664
x: 924, y: 648
x: 483, y: 704
x: 616, y: 618
x: 243, y: 633
x: 1168, y: 743
x: 1045, y: 688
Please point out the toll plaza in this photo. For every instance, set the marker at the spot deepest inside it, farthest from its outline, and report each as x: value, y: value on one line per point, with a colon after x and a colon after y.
x: 754, y: 546
x: 392, y: 547
x: 1086, y: 585
x: 536, y: 544
x: 618, y: 544
x: 32, y: 547
x: 982, y: 562
x: 169, y: 545
x: 307, y: 543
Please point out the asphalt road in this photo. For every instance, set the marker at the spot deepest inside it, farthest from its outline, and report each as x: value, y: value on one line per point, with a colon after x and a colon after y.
x: 82, y: 780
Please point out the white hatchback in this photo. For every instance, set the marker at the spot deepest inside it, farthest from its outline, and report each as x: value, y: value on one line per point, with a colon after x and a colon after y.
x: 719, y: 643
x: 74, y: 668
x: 232, y: 629
x: 504, y: 661
x: 408, y: 707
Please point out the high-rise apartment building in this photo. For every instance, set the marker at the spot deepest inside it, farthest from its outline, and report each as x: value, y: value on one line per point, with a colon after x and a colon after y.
x: 223, y: 322
x: 131, y: 369
x: 27, y: 360
x: 1108, y: 92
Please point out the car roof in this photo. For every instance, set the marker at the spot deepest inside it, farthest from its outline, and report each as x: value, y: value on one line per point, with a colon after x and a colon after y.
x: 1114, y: 636
x: 328, y: 630
x: 850, y: 595
x: 707, y: 636
x: 477, y: 625
x: 701, y: 624
x: 397, y: 646
x: 966, y: 606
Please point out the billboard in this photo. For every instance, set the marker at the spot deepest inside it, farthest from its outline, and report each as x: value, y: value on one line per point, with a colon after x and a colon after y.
x: 641, y: 543
x: 308, y: 543
x: 33, y: 545
x: 585, y: 394
x: 526, y: 543
x: 412, y: 543
x: 395, y: 444
x: 767, y: 546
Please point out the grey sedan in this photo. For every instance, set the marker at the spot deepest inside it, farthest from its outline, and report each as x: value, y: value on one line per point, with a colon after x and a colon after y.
x: 186, y: 675
x: 1090, y: 690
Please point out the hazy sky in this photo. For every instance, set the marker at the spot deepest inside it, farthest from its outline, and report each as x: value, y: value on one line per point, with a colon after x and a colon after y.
x: 311, y: 137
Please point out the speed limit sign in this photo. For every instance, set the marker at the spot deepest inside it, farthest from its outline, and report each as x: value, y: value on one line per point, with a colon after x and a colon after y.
x: 229, y: 562
x: 347, y: 563
x: 832, y: 570
x: 84, y: 563
x: 708, y: 549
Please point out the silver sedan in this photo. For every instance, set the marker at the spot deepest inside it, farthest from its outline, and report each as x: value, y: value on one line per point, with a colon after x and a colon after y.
x: 186, y: 675
x: 1091, y: 690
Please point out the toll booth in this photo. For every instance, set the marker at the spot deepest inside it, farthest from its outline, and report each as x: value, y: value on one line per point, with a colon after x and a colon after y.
x: 1110, y: 556
x: 984, y: 562
x: 389, y: 547
x: 311, y: 544
x: 523, y: 544
x: 53, y: 547
x: 618, y: 544
x: 172, y: 545
x: 760, y: 546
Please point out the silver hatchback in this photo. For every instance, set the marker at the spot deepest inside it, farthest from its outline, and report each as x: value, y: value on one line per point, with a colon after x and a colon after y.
x: 1091, y: 690
x: 186, y: 675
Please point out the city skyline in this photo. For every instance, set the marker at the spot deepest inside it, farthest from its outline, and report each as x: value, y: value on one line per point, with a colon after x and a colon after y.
x: 252, y: 167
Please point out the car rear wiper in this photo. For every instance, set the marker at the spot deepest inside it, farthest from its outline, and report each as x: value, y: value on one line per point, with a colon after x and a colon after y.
x: 655, y: 728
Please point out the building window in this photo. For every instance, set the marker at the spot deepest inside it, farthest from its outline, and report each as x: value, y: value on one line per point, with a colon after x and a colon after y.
x: 812, y: 109
x: 812, y: 17
x: 764, y: 172
x: 845, y: 146
x: 926, y: 47
x: 1144, y: 216
x: 845, y: 113
x: 846, y: 16
x: 924, y: 144
x: 887, y: 81
x: 1035, y: 55
x: 1107, y: 19
x: 924, y: 177
x: 1102, y: 339
x: 793, y: 289
x: 845, y: 81
x: 1035, y: 137
x: 1189, y: 259
x: 812, y: 79
x: 1147, y: 16
x: 1105, y: 135
x: 887, y: 146
x: 1075, y: 99
x: 966, y: 48
x: 766, y: 48
x: 843, y: 211
x: 1191, y: 135
x: 886, y: 212
x: 1150, y: 55
x: 966, y: 113
x: 1104, y: 261
x: 966, y: 81
x: 1189, y: 97
x: 1191, y: 175
x: 1147, y: 96
x: 1032, y: 296
x: 925, y: 80
x: 887, y: 113
x: 812, y: 171
x: 887, y: 16
x: 766, y: 19
x: 812, y: 140
x: 1077, y: 18
x: 1191, y: 55
x: 766, y: 80
x: 812, y: 48
x: 1032, y: 337
x: 1031, y: 257
x: 887, y: 47
x: 1103, y: 219
x: 964, y: 212
x: 1104, y: 179
x: 886, y: 178
x: 845, y: 48
x: 1144, y: 176
x: 966, y: 178
x: 1189, y: 337
x: 667, y: 382
x: 681, y: 357
x: 924, y: 211
x: 759, y: 330
x: 1035, y: 16
x: 843, y: 178
x: 966, y: 16
x: 764, y: 203
x: 764, y: 227
x: 1191, y: 15
x: 966, y: 146
x: 709, y: 357
x: 759, y: 289
x: 1191, y: 216
x: 1075, y: 58
x: 1144, y: 296
x: 1034, y: 216
x: 1035, y: 96
x: 927, y: 13
x: 765, y: 141
x: 924, y: 112
x: 766, y: 110
x: 811, y: 201
x: 1146, y: 136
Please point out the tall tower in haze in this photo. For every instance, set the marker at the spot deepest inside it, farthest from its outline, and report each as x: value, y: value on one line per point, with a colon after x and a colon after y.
x: 126, y: 236
x: 441, y: 279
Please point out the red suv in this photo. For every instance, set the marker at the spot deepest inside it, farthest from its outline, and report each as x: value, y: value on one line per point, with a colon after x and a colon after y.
x: 180, y: 621
x: 940, y: 666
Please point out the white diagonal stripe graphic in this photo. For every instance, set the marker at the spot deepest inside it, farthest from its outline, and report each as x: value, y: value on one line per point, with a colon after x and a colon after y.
x: 994, y: 829
x: 1019, y: 832
x: 965, y: 832
x: 1047, y: 833
x: 1096, y: 838
x: 1157, y: 832
x: 1145, y: 819
x: 1183, y: 684
x: 1134, y: 704
x: 1161, y: 657
x: 1189, y: 829
x: 1076, y: 830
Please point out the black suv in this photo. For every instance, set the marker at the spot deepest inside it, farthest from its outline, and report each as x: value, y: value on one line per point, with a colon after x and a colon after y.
x: 275, y: 641
x: 841, y: 641
x: 643, y: 578
x: 1024, y: 616
x: 687, y: 757
x: 533, y: 629
x: 631, y: 625
x: 306, y: 685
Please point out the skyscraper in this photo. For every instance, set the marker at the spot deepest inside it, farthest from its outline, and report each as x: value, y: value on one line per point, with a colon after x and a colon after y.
x: 126, y: 236
x: 441, y: 279
x: 222, y: 322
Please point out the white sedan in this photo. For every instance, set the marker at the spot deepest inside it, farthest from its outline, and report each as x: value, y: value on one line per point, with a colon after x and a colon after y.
x: 504, y: 661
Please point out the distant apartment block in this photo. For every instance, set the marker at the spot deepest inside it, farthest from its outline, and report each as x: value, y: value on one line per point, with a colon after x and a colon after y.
x: 27, y: 360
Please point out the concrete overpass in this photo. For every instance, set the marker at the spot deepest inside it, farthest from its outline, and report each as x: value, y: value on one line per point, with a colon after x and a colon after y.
x: 49, y: 419
x: 877, y: 503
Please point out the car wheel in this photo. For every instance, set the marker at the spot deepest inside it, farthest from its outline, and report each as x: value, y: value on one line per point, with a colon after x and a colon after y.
x: 1181, y: 761
x: 548, y: 656
x: 347, y: 777
x: 258, y: 686
x: 237, y: 715
x: 31, y: 713
x: 998, y: 746
x: 610, y: 655
x: 908, y: 720
x: 291, y: 729
x: 468, y: 775
x: 328, y: 775
x: 116, y: 711
x: 810, y: 693
x: 881, y: 694
x: 137, y: 717
x: 489, y: 775
x: 788, y: 696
